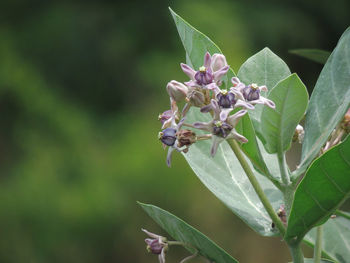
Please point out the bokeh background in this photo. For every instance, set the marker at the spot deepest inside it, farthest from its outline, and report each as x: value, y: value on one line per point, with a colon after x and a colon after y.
x: 81, y: 86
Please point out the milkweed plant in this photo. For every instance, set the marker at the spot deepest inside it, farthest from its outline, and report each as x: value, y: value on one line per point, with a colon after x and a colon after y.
x: 234, y: 131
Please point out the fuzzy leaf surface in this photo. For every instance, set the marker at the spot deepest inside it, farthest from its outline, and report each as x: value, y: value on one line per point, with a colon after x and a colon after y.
x: 181, y: 231
x: 324, y: 188
x: 225, y: 178
x: 329, y: 102
x: 278, y: 125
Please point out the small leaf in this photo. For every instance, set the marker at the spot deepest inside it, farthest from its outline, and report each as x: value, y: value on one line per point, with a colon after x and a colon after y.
x: 196, y: 44
x: 316, y: 55
x: 278, y: 125
x: 225, y: 178
x: 264, y: 68
x: 311, y: 260
x: 336, y: 239
x: 181, y: 231
x: 328, y: 103
x: 324, y: 188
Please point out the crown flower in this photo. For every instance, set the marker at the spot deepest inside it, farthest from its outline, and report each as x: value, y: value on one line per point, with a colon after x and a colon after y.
x: 211, y: 72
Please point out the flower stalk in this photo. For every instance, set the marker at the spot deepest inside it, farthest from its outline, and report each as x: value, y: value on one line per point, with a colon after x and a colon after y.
x: 259, y: 191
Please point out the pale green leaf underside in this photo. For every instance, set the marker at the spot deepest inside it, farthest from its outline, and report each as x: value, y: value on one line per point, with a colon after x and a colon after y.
x: 311, y: 260
x: 316, y: 55
x: 181, y: 231
x: 225, y: 178
x: 324, y: 188
x: 329, y: 101
x: 278, y: 125
x: 263, y: 68
x: 336, y: 239
x: 222, y: 174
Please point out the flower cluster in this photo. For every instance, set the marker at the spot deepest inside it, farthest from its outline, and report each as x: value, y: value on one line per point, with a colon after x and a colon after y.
x: 203, y: 91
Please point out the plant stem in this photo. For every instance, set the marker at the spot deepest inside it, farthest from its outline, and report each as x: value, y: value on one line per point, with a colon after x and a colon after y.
x: 259, y: 191
x: 318, y: 245
x: 297, y: 253
x: 283, y: 168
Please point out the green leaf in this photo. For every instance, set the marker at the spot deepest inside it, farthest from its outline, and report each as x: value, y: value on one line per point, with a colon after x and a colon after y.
x: 225, y: 178
x: 181, y: 231
x: 196, y: 44
x: 278, y: 125
x: 251, y: 148
x: 336, y: 239
x: 316, y: 55
x: 324, y: 188
x: 328, y: 103
x: 264, y: 68
x: 311, y: 260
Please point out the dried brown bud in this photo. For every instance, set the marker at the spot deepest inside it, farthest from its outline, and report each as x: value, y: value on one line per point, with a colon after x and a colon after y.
x: 185, y: 138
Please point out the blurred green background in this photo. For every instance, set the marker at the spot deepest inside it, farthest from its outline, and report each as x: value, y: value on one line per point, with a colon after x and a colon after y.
x: 81, y: 86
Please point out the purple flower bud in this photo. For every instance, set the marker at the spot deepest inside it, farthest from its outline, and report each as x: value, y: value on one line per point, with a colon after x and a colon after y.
x: 251, y: 92
x: 197, y: 98
x: 204, y: 76
x: 218, y: 61
x: 176, y: 90
x: 168, y: 136
x: 226, y: 99
x: 166, y: 115
x: 222, y: 129
x: 154, y: 246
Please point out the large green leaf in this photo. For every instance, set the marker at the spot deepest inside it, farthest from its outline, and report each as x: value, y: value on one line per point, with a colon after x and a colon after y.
x: 264, y: 68
x: 328, y: 103
x: 323, y: 189
x: 225, y: 178
x: 196, y: 44
x: 181, y: 231
x: 336, y: 239
x: 311, y: 260
x: 317, y: 55
x: 278, y: 125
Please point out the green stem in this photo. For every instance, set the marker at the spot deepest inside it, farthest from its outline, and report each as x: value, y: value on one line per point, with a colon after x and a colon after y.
x: 297, y: 253
x: 259, y: 191
x: 318, y: 245
x: 283, y: 168
x: 340, y: 213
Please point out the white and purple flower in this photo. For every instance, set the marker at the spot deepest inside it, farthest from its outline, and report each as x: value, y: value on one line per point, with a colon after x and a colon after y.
x: 222, y: 126
x: 214, y: 67
x: 250, y: 93
x: 156, y: 245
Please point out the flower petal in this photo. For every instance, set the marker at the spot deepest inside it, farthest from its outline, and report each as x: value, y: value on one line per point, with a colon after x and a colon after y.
x: 206, y: 108
x: 246, y: 105
x: 206, y: 126
x: 216, y: 109
x: 168, y: 158
x: 233, y: 119
x: 263, y: 88
x: 216, y: 140
x: 188, y: 70
x: 224, y: 113
x: 207, y: 60
x: 150, y: 234
x: 263, y: 100
x: 238, y: 137
x: 221, y: 72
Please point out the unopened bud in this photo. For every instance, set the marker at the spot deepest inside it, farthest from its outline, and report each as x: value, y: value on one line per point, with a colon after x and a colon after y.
x: 185, y: 138
x: 196, y: 98
x: 176, y: 90
x: 346, y: 121
x: 168, y: 136
x: 218, y: 61
x: 298, y: 134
